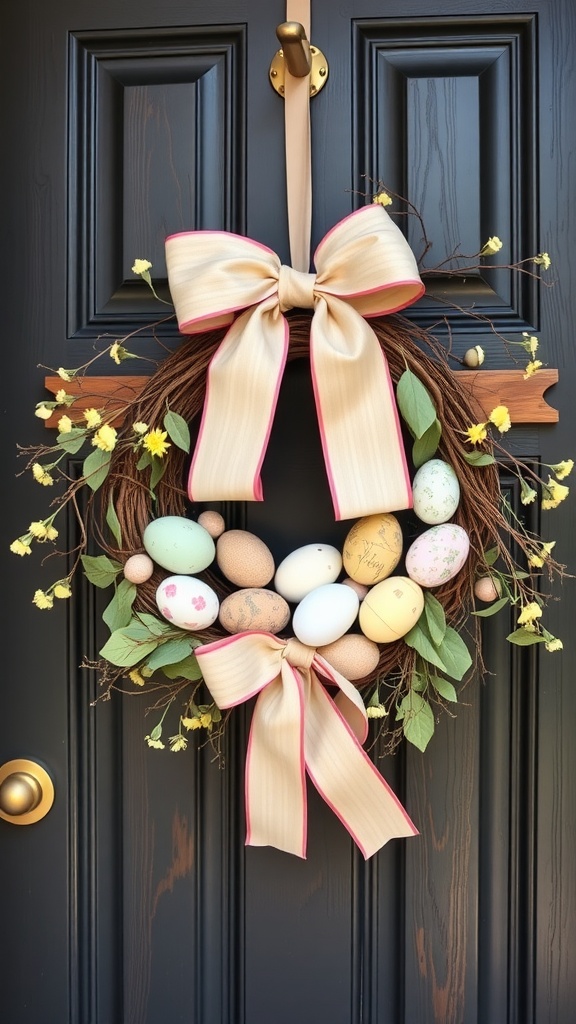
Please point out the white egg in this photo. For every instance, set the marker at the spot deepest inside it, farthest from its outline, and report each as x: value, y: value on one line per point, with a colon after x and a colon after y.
x: 325, y: 614
x: 307, y: 568
x: 187, y: 602
x: 436, y: 492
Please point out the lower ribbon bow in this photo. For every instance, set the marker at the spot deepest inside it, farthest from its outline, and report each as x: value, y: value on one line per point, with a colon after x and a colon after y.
x: 296, y: 728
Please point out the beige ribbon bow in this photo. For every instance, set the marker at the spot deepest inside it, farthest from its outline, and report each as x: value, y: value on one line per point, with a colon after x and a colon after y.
x: 296, y: 728
x: 365, y: 268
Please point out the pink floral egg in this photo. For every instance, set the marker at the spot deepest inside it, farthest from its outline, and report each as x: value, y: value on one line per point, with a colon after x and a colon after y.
x: 187, y: 602
x: 437, y: 555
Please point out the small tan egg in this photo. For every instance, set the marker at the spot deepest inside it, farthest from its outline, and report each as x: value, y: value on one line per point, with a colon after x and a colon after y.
x: 353, y: 655
x: 254, y: 608
x: 244, y: 559
x: 373, y: 548
x: 360, y: 588
x: 212, y: 522
x: 487, y: 589
x: 138, y: 568
x: 390, y: 609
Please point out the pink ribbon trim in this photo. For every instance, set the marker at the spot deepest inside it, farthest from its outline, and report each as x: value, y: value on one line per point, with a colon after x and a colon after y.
x: 297, y: 727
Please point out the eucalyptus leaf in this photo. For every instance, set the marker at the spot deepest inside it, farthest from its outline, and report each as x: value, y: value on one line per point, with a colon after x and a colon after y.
x: 119, y: 612
x: 157, y: 471
x: 425, y: 447
x: 455, y: 654
x: 417, y: 720
x: 177, y: 430
x: 186, y: 669
x: 419, y: 639
x: 170, y: 652
x: 525, y: 638
x: 479, y: 458
x: 485, y: 613
x: 72, y: 440
x: 100, y: 570
x: 144, y: 461
x: 415, y: 404
x: 435, y: 618
x: 96, y: 468
x: 114, y: 522
x: 126, y: 649
x: 491, y: 555
x: 444, y: 688
x: 153, y: 624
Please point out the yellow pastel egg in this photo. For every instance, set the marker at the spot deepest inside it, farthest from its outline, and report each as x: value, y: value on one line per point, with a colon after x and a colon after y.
x: 373, y: 548
x: 352, y: 655
x: 390, y: 609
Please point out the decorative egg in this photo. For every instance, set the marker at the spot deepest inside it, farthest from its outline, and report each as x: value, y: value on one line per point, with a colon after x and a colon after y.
x: 373, y: 548
x: 353, y: 655
x: 307, y: 568
x: 187, y: 602
x: 390, y: 609
x: 138, y: 568
x: 179, y: 545
x: 487, y: 588
x: 325, y: 614
x: 436, y: 492
x: 437, y: 555
x: 360, y: 588
x: 213, y: 522
x: 254, y: 608
x: 244, y: 559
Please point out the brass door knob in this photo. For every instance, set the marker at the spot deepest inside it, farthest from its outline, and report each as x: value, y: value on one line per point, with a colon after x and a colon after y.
x: 26, y: 792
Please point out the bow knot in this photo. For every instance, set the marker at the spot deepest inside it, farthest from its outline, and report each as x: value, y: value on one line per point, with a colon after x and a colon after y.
x: 295, y: 289
x: 297, y: 654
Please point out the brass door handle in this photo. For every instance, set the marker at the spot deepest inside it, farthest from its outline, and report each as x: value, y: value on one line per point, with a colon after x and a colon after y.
x: 26, y: 792
x: 299, y: 57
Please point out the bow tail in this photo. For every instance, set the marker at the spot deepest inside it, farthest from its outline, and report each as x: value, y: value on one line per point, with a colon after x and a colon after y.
x: 275, y: 776
x: 241, y: 395
x: 346, y: 778
x: 357, y: 413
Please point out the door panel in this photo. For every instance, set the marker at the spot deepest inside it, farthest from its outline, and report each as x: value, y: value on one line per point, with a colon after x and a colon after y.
x: 135, y: 899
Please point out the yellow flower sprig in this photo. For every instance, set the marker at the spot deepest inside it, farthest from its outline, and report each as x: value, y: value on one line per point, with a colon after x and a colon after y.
x: 499, y: 418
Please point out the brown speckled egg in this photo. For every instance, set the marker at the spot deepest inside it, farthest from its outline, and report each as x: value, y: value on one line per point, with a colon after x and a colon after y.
x: 244, y: 559
x: 212, y: 522
x: 254, y: 608
x: 138, y: 568
x: 487, y: 589
x: 359, y: 588
x: 353, y: 655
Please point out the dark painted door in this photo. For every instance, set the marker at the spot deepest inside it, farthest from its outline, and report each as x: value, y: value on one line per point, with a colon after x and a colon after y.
x: 134, y: 900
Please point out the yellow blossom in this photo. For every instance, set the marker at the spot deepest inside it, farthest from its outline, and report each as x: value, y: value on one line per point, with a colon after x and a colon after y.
x: 51, y: 533
x: 139, y: 427
x: 476, y: 433
x: 38, y: 530
x: 206, y: 720
x: 492, y: 246
x: 383, y: 199
x: 537, y: 558
x: 531, y: 343
x: 562, y: 469
x: 62, y: 590
x: 480, y: 353
x: 178, y: 742
x: 114, y: 353
x: 42, y: 600
x: 154, y: 743
x: 554, y: 493
x: 38, y: 471
x: 105, y: 438
x: 65, y: 374
x: 61, y: 396
x: 141, y: 266
x: 377, y: 711
x: 43, y: 412
x: 530, y: 612
x: 542, y: 260
x: 554, y: 644
x: 155, y: 442
x: 500, y: 418
x: 46, y: 480
x: 136, y: 677
x: 93, y: 418
x: 528, y: 494
x: 192, y: 723
x: 532, y: 367
x: 64, y: 424
x: 20, y: 547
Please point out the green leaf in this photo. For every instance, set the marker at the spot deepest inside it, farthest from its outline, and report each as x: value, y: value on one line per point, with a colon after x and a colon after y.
x: 444, y: 688
x: 425, y: 447
x: 419, y: 639
x: 171, y: 652
x: 114, y: 522
x: 415, y: 404
x: 153, y: 624
x: 491, y: 555
x: 417, y: 720
x: 435, y: 618
x: 72, y: 441
x: 126, y: 647
x: 186, y: 669
x: 119, y: 612
x: 157, y: 471
x: 525, y: 638
x: 177, y: 430
x: 479, y: 458
x: 418, y: 682
x: 455, y: 655
x: 485, y: 613
x: 96, y: 467
x: 144, y: 461
x: 100, y: 570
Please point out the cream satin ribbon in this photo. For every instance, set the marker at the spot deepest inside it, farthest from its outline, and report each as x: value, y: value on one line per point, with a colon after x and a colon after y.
x: 364, y: 268
x: 296, y: 728
x: 298, y: 150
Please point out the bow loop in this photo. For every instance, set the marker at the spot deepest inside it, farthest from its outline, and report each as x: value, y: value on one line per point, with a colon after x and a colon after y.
x: 297, y: 727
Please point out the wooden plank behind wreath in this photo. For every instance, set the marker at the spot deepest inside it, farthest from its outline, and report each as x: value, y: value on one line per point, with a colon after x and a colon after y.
x: 489, y: 388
